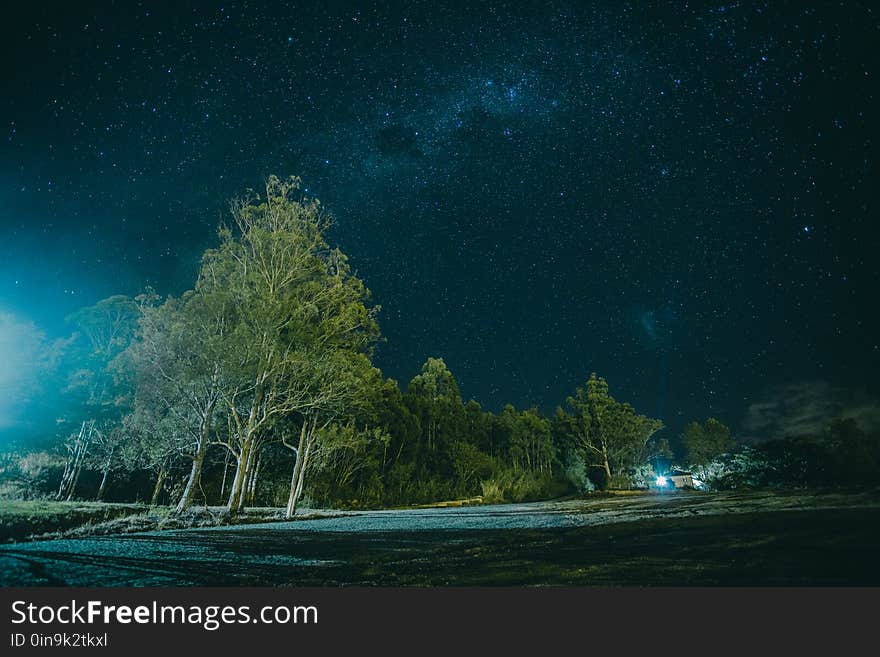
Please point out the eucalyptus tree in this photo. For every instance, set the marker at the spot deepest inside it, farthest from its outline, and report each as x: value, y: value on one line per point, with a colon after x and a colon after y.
x: 346, y: 461
x: 610, y: 434
x: 529, y: 439
x: 298, y: 320
x: 437, y: 401
x: 341, y: 385
x: 178, y: 362
x: 106, y: 453
x: 157, y: 440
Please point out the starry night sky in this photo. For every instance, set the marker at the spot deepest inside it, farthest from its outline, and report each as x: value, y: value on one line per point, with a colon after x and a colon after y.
x: 681, y: 198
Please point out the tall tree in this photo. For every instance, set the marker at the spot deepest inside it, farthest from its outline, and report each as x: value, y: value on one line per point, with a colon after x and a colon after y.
x: 610, y: 434
x: 530, y: 442
x: 298, y: 322
x: 157, y: 438
x: 437, y: 400
x: 178, y: 368
x: 106, y: 453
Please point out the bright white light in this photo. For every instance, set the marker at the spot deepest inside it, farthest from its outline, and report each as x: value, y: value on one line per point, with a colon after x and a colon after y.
x: 661, y: 481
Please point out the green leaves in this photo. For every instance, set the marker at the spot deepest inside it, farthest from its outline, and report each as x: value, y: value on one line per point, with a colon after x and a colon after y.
x: 435, y: 382
x: 704, y: 442
x: 610, y: 434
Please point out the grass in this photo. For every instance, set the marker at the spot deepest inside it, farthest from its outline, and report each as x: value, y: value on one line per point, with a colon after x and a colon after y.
x: 45, y: 520
x: 447, y: 504
x: 28, y: 520
x: 22, y: 520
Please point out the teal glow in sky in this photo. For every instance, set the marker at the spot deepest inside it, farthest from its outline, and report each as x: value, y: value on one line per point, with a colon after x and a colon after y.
x: 22, y: 352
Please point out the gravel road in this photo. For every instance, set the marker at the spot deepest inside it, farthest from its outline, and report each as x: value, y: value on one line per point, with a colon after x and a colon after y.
x: 382, y: 547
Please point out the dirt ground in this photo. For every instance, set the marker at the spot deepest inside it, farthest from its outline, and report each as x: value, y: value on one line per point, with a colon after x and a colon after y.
x: 740, y: 538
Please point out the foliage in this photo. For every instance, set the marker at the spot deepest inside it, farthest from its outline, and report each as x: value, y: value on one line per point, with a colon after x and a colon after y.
x: 705, y: 442
x: 608, y: 434
x: 297, y: 331
x: 29, y: 476
x: 22, y: 519
x: 841, y: 455
x: 511, y: 485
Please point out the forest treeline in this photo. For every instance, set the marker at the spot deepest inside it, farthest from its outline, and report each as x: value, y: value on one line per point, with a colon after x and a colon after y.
x: 256, y: 387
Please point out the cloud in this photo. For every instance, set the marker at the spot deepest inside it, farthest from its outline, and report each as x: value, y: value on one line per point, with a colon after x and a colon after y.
x: 807, y: 407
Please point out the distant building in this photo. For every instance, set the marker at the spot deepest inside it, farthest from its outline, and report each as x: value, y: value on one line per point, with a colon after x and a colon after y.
x: 676, y: 479
x: 681, y: 479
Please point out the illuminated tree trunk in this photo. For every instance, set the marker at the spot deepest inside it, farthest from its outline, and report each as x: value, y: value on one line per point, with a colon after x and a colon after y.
x: 302, y: 476
x: 74, y: 482
x: 103, y: 486
x: 64, y: 477
x: 250, y: 474
x: 306, y: 440
x: 230, y: 501
x: 225, y: 471
x: 236, y: 499
x: 606, y: 465
x: 195, y: 472
x: 77, y: 455
x: 157, y: 489
x: 108, y: 464
x: 252, y: 483
x: 248, y: 432
x: 297, y: 466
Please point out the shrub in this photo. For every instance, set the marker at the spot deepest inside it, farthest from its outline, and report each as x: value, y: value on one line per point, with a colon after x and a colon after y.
x: 577, y: 476
x: 30, y: 476
x: 520, y: 486
x: 493, y: 491
x: 620, y: 482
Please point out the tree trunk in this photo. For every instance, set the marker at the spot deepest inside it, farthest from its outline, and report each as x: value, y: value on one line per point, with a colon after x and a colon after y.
x: 107, y: 467
x: 65, y: 477
x: 294, y: 480
x: 252, y: 488
x: 73, y: 484
x: 238, y: 494
x: 192, y: 481
x: 77, y: 469
x: 157, y: 489
x: 74, y: 464
x: 236, y: 475
x: 302, y: 476
x: 607, y: 467
x: 236, y: 499
x: 195, y: 473
x: 249, y: 473
x: 103, y: 485
x: 225, y: 470
x: 73, y: 455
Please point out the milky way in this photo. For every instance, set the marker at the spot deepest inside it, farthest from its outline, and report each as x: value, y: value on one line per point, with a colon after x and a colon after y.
x: 674, y: 197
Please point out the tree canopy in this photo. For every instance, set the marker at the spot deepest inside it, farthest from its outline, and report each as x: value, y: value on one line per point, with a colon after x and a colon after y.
x: 611, y: 434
